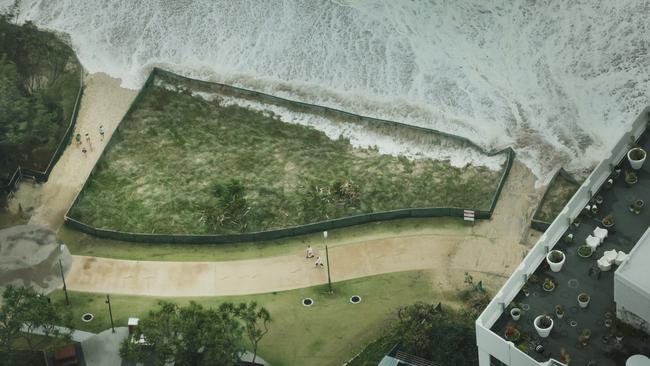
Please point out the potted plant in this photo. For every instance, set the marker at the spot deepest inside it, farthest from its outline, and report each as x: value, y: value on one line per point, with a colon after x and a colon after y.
x: 523, y: 347
x: 548, y: 285
x: 559, y: 311
x: 515, y: 313
x: 555, y: 260
x: 609, y: 183
x: 594, y: 209
x: 543, y: 325
x: 577, y: 222
x: 564, y: 356
x: 584, y: 337
x: 636, y: 206
x: 599, y: 199
x: 525, y: 290
x: 630, y: 177
x: 608, y: 221
x: 585, y: 251
x: 568, y: 238
x: 636, y: 156
x: 511, y: 333
x: 583, y: 300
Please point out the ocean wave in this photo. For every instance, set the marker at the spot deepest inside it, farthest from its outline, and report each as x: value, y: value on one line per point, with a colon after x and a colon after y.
x: 557, y: 81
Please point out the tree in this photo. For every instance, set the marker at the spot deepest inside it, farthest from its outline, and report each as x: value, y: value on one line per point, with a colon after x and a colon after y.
x: 441, y: 336
x: 187, y: 335
x: 256, y: 323
x: 27, y: 315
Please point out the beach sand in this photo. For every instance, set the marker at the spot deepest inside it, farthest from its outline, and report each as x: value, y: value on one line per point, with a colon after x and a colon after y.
x: 104, y: 102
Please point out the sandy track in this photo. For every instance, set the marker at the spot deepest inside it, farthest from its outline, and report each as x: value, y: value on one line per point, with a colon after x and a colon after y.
x: 104, y: 102
x: 492, y: 252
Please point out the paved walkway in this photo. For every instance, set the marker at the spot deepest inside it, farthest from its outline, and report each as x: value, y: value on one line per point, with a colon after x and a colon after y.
x: 77, y: 335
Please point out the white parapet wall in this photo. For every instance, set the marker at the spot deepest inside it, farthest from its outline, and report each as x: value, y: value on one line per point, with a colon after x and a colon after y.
x: 495, y: 345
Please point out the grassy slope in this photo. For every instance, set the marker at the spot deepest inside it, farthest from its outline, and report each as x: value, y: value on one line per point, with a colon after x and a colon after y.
x: 328, y: 333
x: 159, y: 175
x: 83, y: 244
x: 559, y: 193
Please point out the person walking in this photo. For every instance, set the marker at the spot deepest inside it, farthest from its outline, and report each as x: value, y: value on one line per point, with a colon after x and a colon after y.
x: 101, y: 132
x: 90, y: 145
x: 310, y: 252
x: 319, y: 262
x: 83, y: 150
x: 77, y: 138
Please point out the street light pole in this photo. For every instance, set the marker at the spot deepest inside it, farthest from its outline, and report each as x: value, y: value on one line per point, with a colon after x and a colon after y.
x: 65, y: 289
x: 327, y: 257
x: 110, y: 312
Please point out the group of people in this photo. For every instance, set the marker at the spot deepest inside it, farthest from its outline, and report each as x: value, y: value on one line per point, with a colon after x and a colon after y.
x: 77, y: 138
x: 310, y: 254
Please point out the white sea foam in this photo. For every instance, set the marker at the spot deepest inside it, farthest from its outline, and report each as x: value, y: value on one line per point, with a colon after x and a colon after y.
x: 359, y: 136
x: 559, y: 81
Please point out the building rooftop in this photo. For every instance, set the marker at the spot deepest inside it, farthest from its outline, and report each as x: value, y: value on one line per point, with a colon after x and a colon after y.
x: 611, y: 341
x: 635, y: 269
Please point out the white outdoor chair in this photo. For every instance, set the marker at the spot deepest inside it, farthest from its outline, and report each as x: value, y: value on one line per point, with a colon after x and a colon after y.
x: 610, y: 255
x: 620, y: 257
x: 600, y: 233
x: 593, y: 242
x: 604, y: 264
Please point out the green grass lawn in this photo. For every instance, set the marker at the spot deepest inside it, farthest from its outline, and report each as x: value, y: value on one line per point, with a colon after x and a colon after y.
x: 184, y: 165
x: 82, y: 244
x: 558, y: 195
x: 328, y: 333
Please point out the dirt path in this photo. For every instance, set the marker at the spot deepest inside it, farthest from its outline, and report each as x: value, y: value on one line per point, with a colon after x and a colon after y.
x: 104, y: 102
x: 491, y: 252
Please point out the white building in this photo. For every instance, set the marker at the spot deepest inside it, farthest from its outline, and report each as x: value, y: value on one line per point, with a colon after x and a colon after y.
x: 620, y: 293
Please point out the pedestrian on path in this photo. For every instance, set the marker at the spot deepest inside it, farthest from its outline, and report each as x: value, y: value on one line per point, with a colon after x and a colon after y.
x: 310, y: 252
x: 319, y: 262
x: 78, y: 139
x: 83, y: 150
x: 101, y: 132
x: 90, y: 145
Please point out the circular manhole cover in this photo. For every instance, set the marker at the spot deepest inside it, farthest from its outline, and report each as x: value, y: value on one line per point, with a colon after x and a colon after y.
x: 573, y: 323
x: 573, y: 283
x: 87, y: 317
x: 355, y: 299
x: 307, y: 302
x: 525, y: 307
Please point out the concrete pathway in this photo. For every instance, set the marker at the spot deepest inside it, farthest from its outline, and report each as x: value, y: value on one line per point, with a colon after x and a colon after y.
x: 77, y: 335
x: 103, y: 349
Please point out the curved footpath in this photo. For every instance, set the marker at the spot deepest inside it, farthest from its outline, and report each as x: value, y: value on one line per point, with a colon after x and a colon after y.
x: 493, y: 249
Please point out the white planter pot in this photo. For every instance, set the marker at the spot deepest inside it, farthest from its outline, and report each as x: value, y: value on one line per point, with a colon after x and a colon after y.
x: 515, y: 313
x: 555, y: 267
x: 584, y: 304
x: 636, y: 164
x: 542, y: 332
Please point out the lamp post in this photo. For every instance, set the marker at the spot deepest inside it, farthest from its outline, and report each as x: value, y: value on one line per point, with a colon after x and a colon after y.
x: 65, y: 289
x: 327, y: 257
x: 110, y: 312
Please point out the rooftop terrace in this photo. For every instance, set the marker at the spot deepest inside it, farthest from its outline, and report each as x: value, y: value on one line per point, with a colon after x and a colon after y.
x: 611, y: 341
